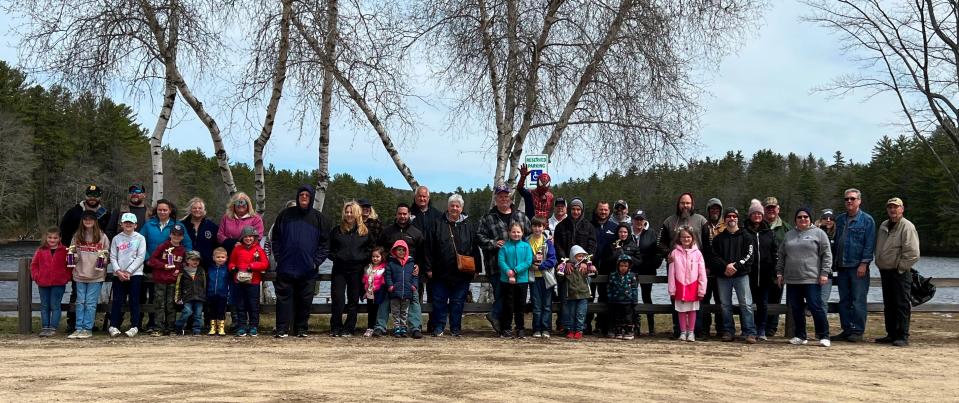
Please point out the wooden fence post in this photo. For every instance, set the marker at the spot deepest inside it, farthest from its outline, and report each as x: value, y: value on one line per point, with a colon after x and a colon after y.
x: 24, y: 297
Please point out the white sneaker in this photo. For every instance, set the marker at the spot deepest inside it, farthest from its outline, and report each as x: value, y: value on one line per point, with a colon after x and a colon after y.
x: 74, y: 335
x: 683, y: 336
x: 537, y: 335
x: 763, y: 338
x: 132, y: 332
x: 798, y: 342
x: 85, y: 334
x: 114, y: 332
x: 546, y: 335
x: 368, y: 333
x: 691, y: 337
x: 825, y: 342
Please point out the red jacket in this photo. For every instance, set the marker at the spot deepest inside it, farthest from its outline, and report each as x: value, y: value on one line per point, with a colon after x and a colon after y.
x: 49, y: 268
x: 251, y: 257
x: 157, y: 262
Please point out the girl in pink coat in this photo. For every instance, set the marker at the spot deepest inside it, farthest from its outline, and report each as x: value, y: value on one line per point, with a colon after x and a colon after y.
x: 687, y: 281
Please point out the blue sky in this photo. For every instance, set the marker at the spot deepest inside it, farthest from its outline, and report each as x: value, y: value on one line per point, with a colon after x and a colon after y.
x: 760, y: 97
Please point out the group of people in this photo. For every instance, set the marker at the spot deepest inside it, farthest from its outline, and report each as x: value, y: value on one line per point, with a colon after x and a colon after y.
x: 547, y: 252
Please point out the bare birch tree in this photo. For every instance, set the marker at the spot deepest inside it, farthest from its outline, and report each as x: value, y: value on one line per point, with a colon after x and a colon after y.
x: 591, y: 78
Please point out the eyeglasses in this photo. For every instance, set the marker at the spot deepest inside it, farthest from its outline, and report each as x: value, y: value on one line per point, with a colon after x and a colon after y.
x: 827, y: 218
x: 851, y: 198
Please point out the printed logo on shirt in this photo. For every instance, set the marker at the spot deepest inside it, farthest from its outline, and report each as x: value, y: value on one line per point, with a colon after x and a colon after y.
x: 208, y: 235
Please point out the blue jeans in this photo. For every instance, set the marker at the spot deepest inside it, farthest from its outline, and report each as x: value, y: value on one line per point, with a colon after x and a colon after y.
x: 87, y: 296
x: 574, y: 315
x: 741, y: 285
x: 415, y: 316
x: 191, y: 309
x: 542, y: 305
x: 801, y: 296
x: 126, y: 292
x: 449, y: 298
x: 852, y: 300
x: 50, y: 300
x: 826, y: 292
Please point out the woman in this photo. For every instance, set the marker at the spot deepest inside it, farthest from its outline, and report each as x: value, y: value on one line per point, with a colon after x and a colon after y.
x: 624, y: 244
x: 239, y: 213
x: 452, y: 235
x: 650, y: 258
x: 350, y: 247
x: 762, y: 277
x: 827, y: 223
x: 156, y: 231
x: 371, y: 219
x: 805, y: 262
x: 202, y: 231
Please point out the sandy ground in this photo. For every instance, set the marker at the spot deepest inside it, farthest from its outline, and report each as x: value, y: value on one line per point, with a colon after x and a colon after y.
x: 478, y: 368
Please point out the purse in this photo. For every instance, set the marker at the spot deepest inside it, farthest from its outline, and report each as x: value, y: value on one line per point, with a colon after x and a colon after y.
x: 244, y: 277
x: 464, y: 263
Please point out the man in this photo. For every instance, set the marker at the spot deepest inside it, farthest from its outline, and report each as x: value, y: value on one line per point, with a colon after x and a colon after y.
x: 605, y: 235
x: 897, y: 250
x: 573, y: 230
x: 732, y: 258
x: 648, y: 263
x: 68, y: 227
x: 779, y: 227
x: 621, y: 212
x: 453, y: 235
x: 423, y: 215
x: 403, y: 229
x: 492, y: 235
x: 300, y: 242
x: 538, y: 201
x: 855, y: 244
x: 559, y: 214
x: 684, y: 217
x: 714, y: 226
x: 136, y: 205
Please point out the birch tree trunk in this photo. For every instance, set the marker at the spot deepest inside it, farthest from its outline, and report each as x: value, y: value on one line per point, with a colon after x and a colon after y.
x: 323, y: 170
x: 156, y: 140
x: 279, y: 77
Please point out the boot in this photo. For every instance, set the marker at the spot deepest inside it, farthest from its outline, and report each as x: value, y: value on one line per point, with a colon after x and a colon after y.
x: 213, y: 323
x: 221, y: 327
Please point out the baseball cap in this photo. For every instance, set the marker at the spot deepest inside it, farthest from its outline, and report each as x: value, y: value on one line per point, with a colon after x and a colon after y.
x: 770, y: 201
x: 94, y: 191
x: 639, y: 215
x: 501, y: 189
x: 364, y: 203
x: 128, y: 217
x: 559, y: 201
x: 895, y: 200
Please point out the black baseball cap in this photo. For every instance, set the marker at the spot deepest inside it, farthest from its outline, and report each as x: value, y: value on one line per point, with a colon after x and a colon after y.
x: 559, y: 201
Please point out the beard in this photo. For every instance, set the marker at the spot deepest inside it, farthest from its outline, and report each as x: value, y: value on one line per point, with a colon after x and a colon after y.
x: 136, y: 202
x: 684, y: 213
x: 93, y: 203
x: 713, y: 218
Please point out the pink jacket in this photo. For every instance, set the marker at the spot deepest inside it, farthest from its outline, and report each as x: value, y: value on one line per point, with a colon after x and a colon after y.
x: 688, y: 267
x: 231, y: 226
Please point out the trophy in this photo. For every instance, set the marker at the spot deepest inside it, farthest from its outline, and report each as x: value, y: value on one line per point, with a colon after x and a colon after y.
x: 169, y: 259
x: 72, y: 256
x: 102, y: 259
x: 561, y: 269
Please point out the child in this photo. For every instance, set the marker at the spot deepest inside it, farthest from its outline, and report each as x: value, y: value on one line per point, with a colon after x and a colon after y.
x: 515, y: 259
x: 687, y: 281
x: 49, y: 270
x: 89, y: 249
x: 166, y: 262
x: 577, y: 273
x: 217, y: 292
x: 623, y: 293
x: 247, y: 263
x: 401, y: 283
x: 544, y: 260
x: 373, y: 279
x: 127, y: 254
x: 191, y: 293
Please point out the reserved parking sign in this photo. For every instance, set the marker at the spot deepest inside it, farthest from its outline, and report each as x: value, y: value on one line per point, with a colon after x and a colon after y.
x: 538, y: 164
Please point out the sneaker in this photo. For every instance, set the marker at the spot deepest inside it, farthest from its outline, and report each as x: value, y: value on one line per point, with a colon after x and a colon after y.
x: 85, y: 334
x: 885, y: 340
x: 750, y: 339
x: 854, y: 338
x: 728, y: 337
x: 578, y: 335
x: 334, y: 333
x: 682, y: 336
x: 346, y: 334
x: 762, y: 338
x: 571, y: 335
x: 691, y: 337
x: 438, y: 333
x: 801, y: 342
x: 368, y: 333
x: 456, y: 333
x: 493, y: 322
x: 253, y: 332
x: 417, y: 334
x: 302, y: 334
x: 537, y: 335
x: 398, y: 333
x: 825, y: 342
x: 132, y: 332
x: 628, y: 336
x: 281, y: 335
x: 155, y: 333
x: 520, y: 334
x: 618, y: 336
x: 901, y: 343
x: 546, y: 335
x: 378, y: 332
x: 240, y: 332
x: 74, y: 335
x: 840, y: 337
x: 114, y: 332
x: 44, y: 332
x: 506, y: 334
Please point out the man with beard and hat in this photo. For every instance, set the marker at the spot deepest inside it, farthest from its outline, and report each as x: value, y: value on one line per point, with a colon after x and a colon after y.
x: 136, y: 205
x: 684, y: 216
x: 621, y: 212
x: 68, y: 227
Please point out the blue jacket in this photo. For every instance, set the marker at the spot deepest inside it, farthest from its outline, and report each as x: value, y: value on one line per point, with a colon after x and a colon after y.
x: 155, y: 236
x: 218, y: 281
x: 516, y: 256
x: 855, y: 240
x: 300, y: 240
x: 549, y: 258
x: 203, y: 239
x: 622, y: 288
x: 399, y: 275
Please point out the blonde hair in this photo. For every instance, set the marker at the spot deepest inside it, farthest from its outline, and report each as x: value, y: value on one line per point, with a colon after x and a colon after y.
x: 237, y: 196
x: 189, y: 206
x: 358, y: 215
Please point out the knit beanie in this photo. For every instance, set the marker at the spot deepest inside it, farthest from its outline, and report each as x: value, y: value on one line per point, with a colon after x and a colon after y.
x: 755, y: 207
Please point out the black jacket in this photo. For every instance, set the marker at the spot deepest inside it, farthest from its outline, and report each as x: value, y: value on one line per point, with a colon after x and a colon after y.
x: 425, y: 220
x: 191, y: 289
x: 300, y: 240
x: 414, y: 240
x: 736, y: 248
x: 71, y: 221
x: 442, y: 256
x: 650, y: 255
x: 766, y: 250
x: 349, y: 250
x: 616, y: 249
x: 570, y: 232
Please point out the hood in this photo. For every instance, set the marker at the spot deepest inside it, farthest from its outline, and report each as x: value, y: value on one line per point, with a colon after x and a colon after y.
x: 684, y: 250
x: 714, y: 202
x: 463, y: 217
x: 312, y: 192
x: 575, y: 250
x: 400, y: 243
x: 763, y: 227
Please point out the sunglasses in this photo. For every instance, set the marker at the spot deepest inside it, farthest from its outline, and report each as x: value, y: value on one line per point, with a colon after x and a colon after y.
x: 732, y: 216
x: 851, y: 198
x: 802, y: 217
x: 136, y: 192
x: 240, y: 202
x: 827, y: 218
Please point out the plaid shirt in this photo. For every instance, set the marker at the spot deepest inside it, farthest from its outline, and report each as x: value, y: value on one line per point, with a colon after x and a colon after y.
x: 492, y: 229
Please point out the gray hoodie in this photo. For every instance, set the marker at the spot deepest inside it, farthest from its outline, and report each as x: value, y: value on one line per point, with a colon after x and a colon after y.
x: 127, y: 253
x: 804, y: 256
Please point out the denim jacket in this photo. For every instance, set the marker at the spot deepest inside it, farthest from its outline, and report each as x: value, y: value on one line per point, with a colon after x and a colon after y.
x: 855, y: 240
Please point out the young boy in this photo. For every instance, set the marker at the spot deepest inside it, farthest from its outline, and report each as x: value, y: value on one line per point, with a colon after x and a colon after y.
x: 166, y: 262
x: 127, y: 254
x: 544, y: 260
x: 217, y: 292
x: 623, y: 294
x: 577, y: 273
x: 191, y: 293
x: 401, y: 284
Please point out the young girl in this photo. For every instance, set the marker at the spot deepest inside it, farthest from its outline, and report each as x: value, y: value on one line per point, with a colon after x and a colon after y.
x: 373, y: 280
x: 515, y: 259
x: 191, y: 293
x: 217, y: 292
x: 247, y: 263
x: 577, y: 273
x: 401, y: 283
x: 166, y: 262
x: 544, y: 259
x: 623, y: 294
x: 89, y: 248
x: 127, y: 254
x: 687, y: 281
x: 49, y: 270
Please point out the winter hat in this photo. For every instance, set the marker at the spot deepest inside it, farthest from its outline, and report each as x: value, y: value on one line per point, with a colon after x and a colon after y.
x: 755, y: 207
x: 806, y: 210
x: 575, y: 250
x: 576, y: 202
x: 730, y: 210
x: 248, y: 231
x: 624, y: 258
x: 193, y: 255
x: 714, y: 202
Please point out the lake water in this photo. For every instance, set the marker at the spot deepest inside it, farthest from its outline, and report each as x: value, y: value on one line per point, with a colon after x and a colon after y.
x: 932, y: 266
